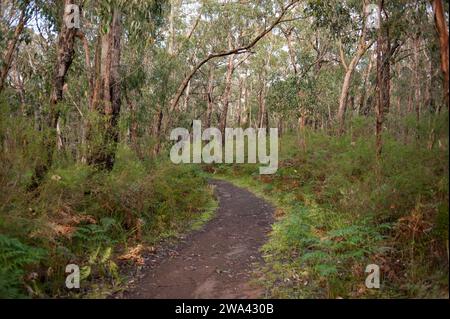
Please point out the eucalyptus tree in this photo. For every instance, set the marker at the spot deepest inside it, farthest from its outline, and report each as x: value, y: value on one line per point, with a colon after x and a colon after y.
x: 105, y: 77
x: 247, y: 42
x: 347, y: 23
x: 14, y: 16
x: 64, y: 58
x: 121, y: 23
x: 441, y: 27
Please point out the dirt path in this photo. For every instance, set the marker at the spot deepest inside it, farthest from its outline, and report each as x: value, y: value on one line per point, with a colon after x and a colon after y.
x: 215, y: 262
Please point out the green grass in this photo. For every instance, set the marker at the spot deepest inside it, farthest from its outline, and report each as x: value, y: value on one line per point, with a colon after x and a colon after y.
x: 208, y: 213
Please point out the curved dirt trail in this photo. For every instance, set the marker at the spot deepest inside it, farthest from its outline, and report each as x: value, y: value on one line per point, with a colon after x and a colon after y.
x: 215, y: 262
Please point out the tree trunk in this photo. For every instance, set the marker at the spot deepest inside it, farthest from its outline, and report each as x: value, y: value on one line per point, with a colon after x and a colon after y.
x: 133, y: 128
x: 288, y: 36
x: 226, y: 95
x: 346, y: 87
x: 280, y: 126
x: 363, y: 101
x: 157, y: 132
x: 59, y: 138
x: 19, y: 86
x: 301, y: 130
x: 349, y: 69
x: 262, y: 104
x: 262, y: 96
x: 380, y: 82
x: 107, y: 95
x: 441, y: 27
x: 10, y: 48
x: 171, y: 38
x: 64, y: 58
x: 239, y: 105
x: 209, y: 101
x: 187, y: 96
x: 417, y: 99
x: 248, y: 118
x: 428, y: 94
x: 386, y: 69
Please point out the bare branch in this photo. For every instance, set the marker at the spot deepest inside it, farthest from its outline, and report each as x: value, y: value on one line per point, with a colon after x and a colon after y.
x: 239, y: 50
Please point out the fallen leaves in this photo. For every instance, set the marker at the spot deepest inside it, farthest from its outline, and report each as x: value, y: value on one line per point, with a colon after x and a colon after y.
x: 413, y: 226
x: 279, y: 213
x: 134, y: 254
x: 66, y: 222
x: 62, y: 230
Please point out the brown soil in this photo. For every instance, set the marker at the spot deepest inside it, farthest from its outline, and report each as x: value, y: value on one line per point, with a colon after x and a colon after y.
x: 217, y: 261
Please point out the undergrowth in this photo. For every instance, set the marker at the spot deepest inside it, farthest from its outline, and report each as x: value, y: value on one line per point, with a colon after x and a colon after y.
x: 95, y: 219
x: 339, y: 210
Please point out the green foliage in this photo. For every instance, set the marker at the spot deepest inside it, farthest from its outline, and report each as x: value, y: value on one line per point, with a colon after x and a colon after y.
x: 343, y: 210
x: 88, y: 236
x: 283, y: 96
x: 335, y: 15
x: 342, y: 206
x: 88, y: 217
x: 15, y: 257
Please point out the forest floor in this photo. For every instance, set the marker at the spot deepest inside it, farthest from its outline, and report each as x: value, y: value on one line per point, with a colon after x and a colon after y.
x: 216, y: 261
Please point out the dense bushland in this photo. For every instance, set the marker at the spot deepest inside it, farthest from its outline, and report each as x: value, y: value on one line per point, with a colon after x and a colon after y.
x: 340, y: 209
x: 359, y: 91
x: 84, y: 216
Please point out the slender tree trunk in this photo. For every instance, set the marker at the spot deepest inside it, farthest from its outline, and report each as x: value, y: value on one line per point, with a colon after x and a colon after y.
x: 380, y: 107
x: 248, y: 106
x: 411, y: 92
x: 349, y: 69
x: 280, y: 126
x: 187, y: 96
x: 266, y: 120
x: 171, y: 39
x: 246, y: 121
x: 428, y: 95
x: 262, y: 104
x: 64, y: 58
x: 346, y: 87
x: 417, y: 83
x: 164, y: 122
x: 112, y: 109
x: 133, y: 128
x: 95, y: 94
x: 59, y: 138
x: 363, y: 101
x: 386, y: 69
x: 157, y: 132
x: 227, y: 93
x: 441, y: 27
x: 301, y: 130
x: 89, y: 71
x: 19, y: 85
x: 262, y: 96
x: 209, y: 101
x: 239, y: 106
x: 288, y: 35
x: 10, y: 48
